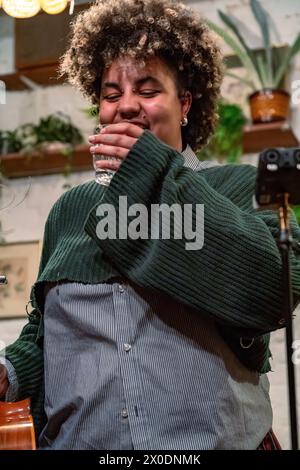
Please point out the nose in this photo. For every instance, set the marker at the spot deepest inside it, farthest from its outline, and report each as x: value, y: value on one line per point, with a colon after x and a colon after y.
x: 129, y: 105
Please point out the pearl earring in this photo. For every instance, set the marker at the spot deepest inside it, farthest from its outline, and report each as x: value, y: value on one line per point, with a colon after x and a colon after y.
x: 184, y: 122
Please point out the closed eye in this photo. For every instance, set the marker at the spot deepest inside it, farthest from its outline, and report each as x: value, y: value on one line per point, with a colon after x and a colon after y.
x: 112, y: 97
x: 149, y: 93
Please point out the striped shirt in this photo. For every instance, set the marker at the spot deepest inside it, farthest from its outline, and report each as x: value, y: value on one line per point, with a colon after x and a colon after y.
x: 125, y: 369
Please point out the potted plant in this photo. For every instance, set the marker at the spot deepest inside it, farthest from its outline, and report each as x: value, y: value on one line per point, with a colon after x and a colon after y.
x: 55, y: 131
x: 269, y: 101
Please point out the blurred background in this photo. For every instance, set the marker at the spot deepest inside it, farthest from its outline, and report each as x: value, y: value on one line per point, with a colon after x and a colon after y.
x: 44, y: 125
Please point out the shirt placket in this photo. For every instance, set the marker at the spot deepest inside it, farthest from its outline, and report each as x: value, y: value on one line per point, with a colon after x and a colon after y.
x: 134, y: 410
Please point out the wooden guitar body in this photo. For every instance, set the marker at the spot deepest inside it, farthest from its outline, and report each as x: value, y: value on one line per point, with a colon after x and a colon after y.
x: 16, y: 426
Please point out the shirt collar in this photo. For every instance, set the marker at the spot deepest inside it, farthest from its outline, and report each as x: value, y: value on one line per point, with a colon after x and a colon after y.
x: 193, y: 162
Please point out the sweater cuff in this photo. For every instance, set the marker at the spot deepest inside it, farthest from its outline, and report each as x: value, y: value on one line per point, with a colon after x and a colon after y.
x: 20, y: 355
x: 12, y: 391
x: 144, y: 167
x: 139, y: 176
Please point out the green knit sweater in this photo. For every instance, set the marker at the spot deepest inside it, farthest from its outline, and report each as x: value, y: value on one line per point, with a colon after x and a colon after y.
x: 235, y: 279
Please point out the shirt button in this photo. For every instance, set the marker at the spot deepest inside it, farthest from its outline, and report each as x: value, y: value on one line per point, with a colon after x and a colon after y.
x: 126, y: 347
x: 124, y: 413
x: 121, y: 289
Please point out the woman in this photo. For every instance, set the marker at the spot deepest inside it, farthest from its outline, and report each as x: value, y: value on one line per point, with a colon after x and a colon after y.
x: 147, y: 344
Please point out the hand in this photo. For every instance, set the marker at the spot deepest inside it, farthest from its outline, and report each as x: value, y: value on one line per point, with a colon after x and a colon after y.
x: 115, y: 140
x: 3, y: 381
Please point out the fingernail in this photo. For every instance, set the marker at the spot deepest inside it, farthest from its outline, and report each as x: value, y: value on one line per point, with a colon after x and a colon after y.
x: 92, y: 149
x: 91, y: 138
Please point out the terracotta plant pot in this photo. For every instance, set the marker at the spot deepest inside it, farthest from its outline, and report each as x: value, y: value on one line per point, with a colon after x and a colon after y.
x: 269, y: 105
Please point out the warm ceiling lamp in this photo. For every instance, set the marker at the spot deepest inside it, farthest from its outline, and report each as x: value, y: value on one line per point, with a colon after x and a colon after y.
x: 21, y: 8
x: 29, y: 8
x: 53, y: 7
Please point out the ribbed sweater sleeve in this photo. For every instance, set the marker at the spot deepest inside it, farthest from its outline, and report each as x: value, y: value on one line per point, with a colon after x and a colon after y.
x: 26, y: 353
x: 236, y: 277
x: 26, y: 356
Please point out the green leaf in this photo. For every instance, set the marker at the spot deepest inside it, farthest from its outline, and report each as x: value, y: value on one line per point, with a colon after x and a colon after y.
x: 279, y: 55
x: 263, y: 72
x: 262, y: 20
x: 226, y: 143
x: 242, y: 55
x: 229, y: 21
x: 296, y: 210
x: 92, y: 111
x: 292, y: 51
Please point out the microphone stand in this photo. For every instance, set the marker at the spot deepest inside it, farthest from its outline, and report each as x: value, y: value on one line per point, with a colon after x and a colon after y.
x: 285, y: 243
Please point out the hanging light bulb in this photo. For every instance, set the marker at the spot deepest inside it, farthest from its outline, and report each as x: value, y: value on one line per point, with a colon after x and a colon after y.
x: 21, y: 8
x: 53, y: 7
x: 72, y: 5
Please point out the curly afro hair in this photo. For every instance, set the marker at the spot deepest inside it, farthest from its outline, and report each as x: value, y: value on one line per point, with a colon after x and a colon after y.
x: 142, y: 29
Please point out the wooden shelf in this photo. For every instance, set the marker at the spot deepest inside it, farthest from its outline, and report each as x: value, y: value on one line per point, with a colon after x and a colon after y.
x: 17, y: 165
x: 41, y: 75
x: 258, y: 137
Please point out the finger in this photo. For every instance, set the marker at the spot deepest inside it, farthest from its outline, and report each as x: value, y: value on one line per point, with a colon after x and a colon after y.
x: 108, y: 164
x: 110, y: 151
x: 131, y: 130
x: 120, y: 140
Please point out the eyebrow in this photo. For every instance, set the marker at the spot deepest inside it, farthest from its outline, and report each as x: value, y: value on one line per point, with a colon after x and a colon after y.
x: 139, y: 82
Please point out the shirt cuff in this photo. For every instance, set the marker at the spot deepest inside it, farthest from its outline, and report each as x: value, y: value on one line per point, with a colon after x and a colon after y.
x: 12, y: 391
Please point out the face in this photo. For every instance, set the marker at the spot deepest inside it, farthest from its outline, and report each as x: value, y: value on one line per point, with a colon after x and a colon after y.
x: 146, y: 96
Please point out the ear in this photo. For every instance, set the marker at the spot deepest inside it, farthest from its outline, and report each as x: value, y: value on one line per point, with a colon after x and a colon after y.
x: 186, y: 102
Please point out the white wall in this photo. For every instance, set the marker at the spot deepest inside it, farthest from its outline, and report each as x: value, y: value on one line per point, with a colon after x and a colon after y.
x: 25, y: 221
x: 24, y: 107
